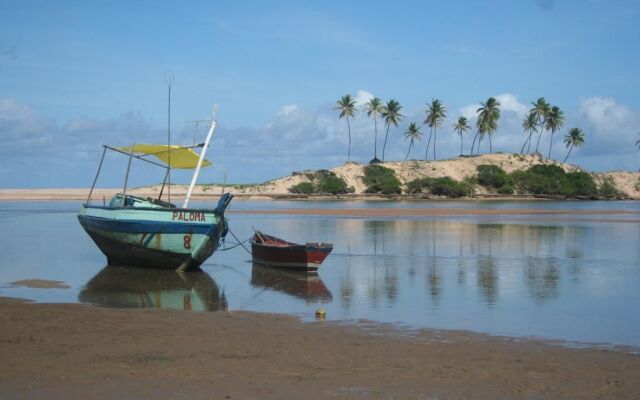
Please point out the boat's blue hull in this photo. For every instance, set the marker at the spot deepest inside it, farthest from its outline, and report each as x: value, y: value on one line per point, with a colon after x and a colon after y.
x: 168, y: 238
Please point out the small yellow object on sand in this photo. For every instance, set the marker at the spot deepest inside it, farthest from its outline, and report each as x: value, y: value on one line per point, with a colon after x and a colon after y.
x: 321, y: 314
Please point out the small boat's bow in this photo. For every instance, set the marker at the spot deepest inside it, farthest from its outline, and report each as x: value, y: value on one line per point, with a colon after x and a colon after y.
x: 275, y: 252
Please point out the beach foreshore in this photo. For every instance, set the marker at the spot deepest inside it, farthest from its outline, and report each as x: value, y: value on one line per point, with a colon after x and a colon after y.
x: 71, y: 351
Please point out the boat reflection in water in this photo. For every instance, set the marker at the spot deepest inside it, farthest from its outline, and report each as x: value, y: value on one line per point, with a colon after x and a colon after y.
x: 125, y: 287
x: 300, y: 284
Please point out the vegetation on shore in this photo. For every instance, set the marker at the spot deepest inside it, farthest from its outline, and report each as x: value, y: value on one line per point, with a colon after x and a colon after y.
x: 321, y: 182
x: 445, y: 186
x: 381, y: 179
x: 548, y: 180
x: 537, y: 180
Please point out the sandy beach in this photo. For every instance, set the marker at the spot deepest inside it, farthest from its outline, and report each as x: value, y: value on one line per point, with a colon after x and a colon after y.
x: 76, y: 352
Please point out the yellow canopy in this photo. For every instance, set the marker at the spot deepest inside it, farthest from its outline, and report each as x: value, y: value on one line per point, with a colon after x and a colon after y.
x: 181, y: 157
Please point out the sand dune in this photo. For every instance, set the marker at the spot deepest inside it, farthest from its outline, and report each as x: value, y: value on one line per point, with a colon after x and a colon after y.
x: 457, y: 168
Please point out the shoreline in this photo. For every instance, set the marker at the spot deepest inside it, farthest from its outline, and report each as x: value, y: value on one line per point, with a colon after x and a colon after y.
x: 53, y: 194
x: 79, y: 351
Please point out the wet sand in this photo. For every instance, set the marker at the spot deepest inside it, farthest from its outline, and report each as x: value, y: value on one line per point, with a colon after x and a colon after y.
x: 75, y: 351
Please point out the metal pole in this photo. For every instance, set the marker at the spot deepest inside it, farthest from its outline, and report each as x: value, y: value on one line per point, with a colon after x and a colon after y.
x: 224, y: 182
x: 104, y: 151
x: 202, y: 153
x: 169, y: 78
x: 164, y: 182
x: 138, y: 157
x: 126, y: 178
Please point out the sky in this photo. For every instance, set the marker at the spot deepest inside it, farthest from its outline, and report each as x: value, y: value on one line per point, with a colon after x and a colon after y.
x: 75, y: 75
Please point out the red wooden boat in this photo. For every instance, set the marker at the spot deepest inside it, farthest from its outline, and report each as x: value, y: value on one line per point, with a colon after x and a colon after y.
x: 275, y: 252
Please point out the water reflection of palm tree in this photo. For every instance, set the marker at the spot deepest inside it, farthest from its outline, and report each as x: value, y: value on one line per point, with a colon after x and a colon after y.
x: 461, y: 272
x: 346, y: 284
x: 542, y: 278
x: 488, y: 280
x: 391, y: 279
x: 124, y: 287
x: 434, y: 275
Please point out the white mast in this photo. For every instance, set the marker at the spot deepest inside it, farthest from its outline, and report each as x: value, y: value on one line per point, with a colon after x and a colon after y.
x: 202, y: 153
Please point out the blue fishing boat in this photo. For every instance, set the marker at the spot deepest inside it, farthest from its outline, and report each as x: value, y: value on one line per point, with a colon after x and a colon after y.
x: 151, y: 232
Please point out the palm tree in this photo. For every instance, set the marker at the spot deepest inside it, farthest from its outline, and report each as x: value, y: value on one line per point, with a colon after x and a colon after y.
x: 530, y: 126
x: 488, y: 116
x: 460, y: 127
x: 373, y: 108
x: 541, y: 110
x: 473, y: 144
x: 347, y: 107
x: 575, y: 137
x: 413, y: 133
x: 638, y: 144
x: 436, y: 113
x: 554, y: 123
x: 392, y: 116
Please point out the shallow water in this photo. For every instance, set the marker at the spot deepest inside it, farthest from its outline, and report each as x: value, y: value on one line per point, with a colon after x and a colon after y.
x: 570, y: 278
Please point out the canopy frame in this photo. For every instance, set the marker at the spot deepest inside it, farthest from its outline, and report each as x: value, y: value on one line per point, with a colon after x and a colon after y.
x: 130, y: 154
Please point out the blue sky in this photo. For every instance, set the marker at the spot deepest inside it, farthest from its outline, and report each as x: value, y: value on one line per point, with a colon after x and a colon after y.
x: 77, y: 74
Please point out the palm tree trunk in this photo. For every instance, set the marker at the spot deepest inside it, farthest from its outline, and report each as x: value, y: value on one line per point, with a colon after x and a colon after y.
x: 569, y: 152
x: 550, y: 144
x: 435, y: 135
x: 474, y: 142
x: 538, y: 143
x: 409, y: 151
x: 490, y: 145
x: 375, y: 140
x: 384, y: 146
x: 525, y: 143
x: 426, y: 154
x: 461, y: 144
x: 349, y: 151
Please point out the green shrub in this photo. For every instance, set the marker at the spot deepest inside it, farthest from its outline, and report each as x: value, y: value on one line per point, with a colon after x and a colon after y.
x: 552, y: 180
x: 331, y: 184
x: 322, y: 182
x: 608, y: 189
x: 492, y: 176
x: 507, y: 188
x: 440, y: 187
x: 543, y: 179
x: 302, y: 188
x: 583, y: 184
x: 380, y: 179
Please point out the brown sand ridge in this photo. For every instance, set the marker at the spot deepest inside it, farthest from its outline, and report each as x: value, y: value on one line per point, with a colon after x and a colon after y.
x: 457, y: 168
x: 78, y: 352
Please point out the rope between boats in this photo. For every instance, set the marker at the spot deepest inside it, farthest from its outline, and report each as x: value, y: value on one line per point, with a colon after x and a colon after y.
x: 239, y: 243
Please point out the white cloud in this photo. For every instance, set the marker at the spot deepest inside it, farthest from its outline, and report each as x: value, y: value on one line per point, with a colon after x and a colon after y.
x: 470, y: 111
x: 605, y: 114
x: 611, y: 130
x: 287, y: 109
x: 509, y: 102
x: 362, y: 97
